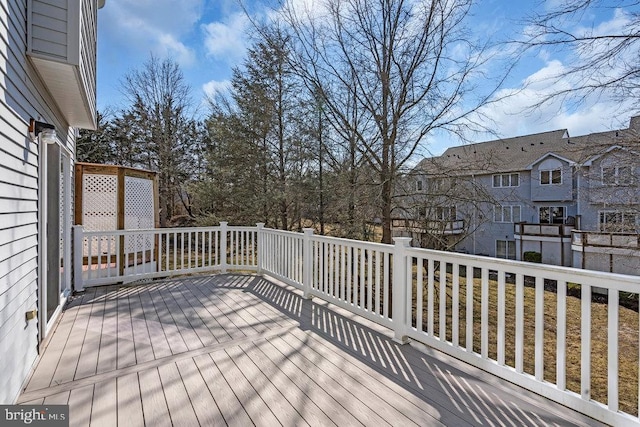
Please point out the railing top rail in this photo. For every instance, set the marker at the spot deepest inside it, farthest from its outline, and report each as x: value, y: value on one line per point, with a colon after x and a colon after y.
x: 336, y: 240
x: 606, y: 233
x: 590, y: 277
x: 287, y: 232
x: 167, y: 230
x: 359, y: 243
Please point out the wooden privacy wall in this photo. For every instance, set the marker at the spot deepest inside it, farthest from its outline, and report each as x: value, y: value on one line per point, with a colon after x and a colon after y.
x: 110, y: 197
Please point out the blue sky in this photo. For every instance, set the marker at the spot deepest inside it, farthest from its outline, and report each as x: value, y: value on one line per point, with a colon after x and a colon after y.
x: 208, y: 37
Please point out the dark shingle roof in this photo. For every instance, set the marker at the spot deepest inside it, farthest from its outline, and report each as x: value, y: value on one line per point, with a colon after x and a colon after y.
x: 516, y: 154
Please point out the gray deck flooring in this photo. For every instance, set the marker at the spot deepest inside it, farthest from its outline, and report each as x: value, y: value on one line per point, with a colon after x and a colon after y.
x: 242, y: 350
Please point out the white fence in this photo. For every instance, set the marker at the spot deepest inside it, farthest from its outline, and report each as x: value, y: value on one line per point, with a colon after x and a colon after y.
x: 506, y: 317
x: 109, y: 257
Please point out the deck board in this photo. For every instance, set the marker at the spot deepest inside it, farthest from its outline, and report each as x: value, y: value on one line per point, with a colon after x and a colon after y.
x: 178, y: 401
x: 105, y: 402
x: 175, y: 339
x: 204, y: 405
x: 88, y: 361
x: 43, y: 374
x: 129, y: 400
x: 228, y: 404
x: 240, y: 350
x: 192, y: 315
x: 141, y: 337
x: 215, y: 310
x: 69, y: 358
x: 108, y: 352
x: 126, y: 347
x: 157, y: 335
x: 80, y: 406
x: 245, y: 392
x: 374, y: 395
x: 294, y: 392
x: 270, y: 394
x: 154, y: 403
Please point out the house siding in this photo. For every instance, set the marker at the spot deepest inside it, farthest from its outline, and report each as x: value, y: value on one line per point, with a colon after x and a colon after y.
x: 551, y: 192
x: 22, y: 95
x: 49, y: 24
x: 580, y: 192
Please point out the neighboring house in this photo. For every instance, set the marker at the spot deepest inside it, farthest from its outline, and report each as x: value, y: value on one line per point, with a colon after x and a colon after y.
x: 505, y: 197
x: 47, y: 92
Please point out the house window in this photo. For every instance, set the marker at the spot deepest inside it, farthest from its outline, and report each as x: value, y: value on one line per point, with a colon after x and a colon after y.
x: 506, y: 180
x: 552, y: 214
x: 419, y: 185
x: 506, y: 213
x: 506, y: 249
x: 439, y: 185
x: 447, y: 213
x: 619, y: 221
x: 549, y: 177
x: 617, y: 175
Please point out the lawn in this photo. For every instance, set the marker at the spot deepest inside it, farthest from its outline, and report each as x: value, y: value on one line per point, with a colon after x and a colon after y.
x: 628, y: 334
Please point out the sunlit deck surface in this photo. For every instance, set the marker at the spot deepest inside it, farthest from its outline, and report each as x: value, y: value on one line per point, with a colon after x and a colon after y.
x: 242, y: 350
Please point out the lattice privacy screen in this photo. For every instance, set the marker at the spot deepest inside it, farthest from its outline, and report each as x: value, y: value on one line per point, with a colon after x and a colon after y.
x: 100, y: 211
x: 99, y: 202
x: 138, y: 212
x: 100, y: 207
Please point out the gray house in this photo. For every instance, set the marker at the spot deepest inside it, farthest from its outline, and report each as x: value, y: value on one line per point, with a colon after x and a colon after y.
x: 573, y: 200
x: 47, y: 92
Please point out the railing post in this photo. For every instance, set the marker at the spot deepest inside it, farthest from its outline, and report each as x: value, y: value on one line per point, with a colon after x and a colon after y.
x: 401, y: 289
x: 78, y: 231
x: 223, y: 246
x: 260, y: 243
x: 307, y: 264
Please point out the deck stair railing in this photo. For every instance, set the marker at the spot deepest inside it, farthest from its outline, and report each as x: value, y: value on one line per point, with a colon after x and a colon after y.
x: 513, y: 319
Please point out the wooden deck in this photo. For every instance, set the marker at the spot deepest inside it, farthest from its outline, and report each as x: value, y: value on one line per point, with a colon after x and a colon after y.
x: 242, y: 350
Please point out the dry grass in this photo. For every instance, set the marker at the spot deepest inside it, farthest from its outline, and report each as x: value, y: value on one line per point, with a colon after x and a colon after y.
x: 627, y: 331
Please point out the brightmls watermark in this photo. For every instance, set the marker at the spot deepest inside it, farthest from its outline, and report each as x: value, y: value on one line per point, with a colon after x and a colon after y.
x: 34, y: 415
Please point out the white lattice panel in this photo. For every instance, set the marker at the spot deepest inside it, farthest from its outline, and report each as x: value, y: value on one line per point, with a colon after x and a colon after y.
x: 139, y: 212
x: 99, y: 209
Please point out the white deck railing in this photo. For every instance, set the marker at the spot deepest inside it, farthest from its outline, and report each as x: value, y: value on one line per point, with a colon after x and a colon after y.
x: 470, y: 307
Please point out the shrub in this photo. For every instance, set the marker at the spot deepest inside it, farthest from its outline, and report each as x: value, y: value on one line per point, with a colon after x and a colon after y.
x: 532, y: 256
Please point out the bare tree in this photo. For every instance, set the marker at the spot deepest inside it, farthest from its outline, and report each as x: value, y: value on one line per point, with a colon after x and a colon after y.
x: 407, y: 66
x: 601, y: 60
x: 160, y: 102
x: 95, y: 146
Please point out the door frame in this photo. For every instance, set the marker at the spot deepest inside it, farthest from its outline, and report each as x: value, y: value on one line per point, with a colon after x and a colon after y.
x: 44, y: 325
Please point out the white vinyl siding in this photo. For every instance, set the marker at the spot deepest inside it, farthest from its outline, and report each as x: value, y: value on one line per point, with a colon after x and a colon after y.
x: 22, y: 95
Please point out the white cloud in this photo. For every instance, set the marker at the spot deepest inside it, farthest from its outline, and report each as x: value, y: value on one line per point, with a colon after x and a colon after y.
x: 227, y: 40
x: 313, y: 8
x: 216, y: 88
x: 156, y: 26
x: 520, y: 111
x: 515, y: 114
x: 169, y: 47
